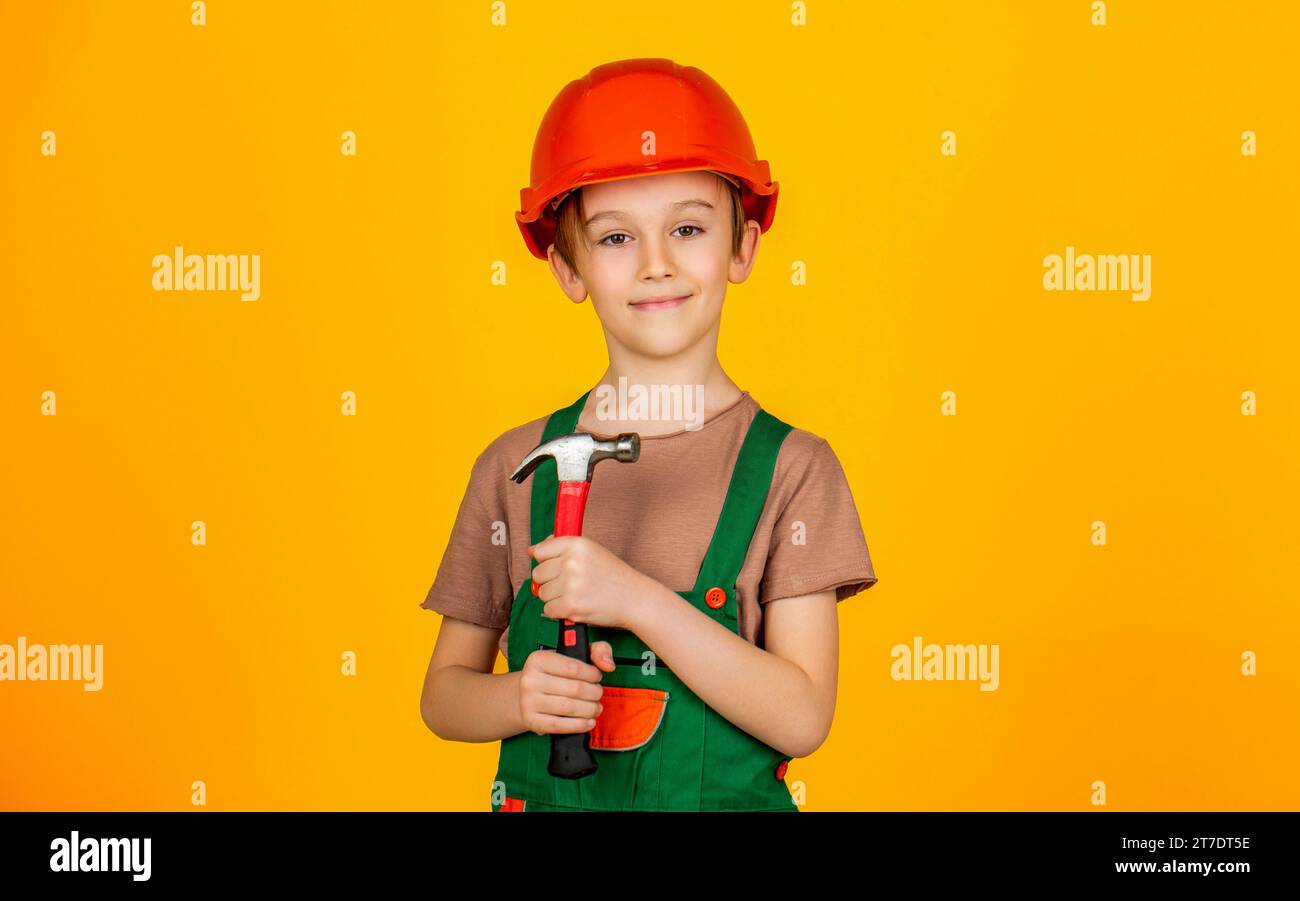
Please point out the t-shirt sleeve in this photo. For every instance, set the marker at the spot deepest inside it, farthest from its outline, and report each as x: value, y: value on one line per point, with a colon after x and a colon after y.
x: 817, y: 542
x: 473, y: 580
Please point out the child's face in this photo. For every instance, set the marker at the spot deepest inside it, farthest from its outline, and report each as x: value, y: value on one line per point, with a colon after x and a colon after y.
x: 656, y: 236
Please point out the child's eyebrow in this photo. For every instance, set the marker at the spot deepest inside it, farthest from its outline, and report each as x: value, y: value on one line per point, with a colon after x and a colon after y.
x: 622, y: 214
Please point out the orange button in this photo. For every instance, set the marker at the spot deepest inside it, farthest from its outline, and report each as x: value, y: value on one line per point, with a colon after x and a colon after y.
x: 715, y: 597
x: 780, y: 769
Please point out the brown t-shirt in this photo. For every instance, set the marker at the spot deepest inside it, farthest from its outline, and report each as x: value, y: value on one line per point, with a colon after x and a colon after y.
x: 658, y: 515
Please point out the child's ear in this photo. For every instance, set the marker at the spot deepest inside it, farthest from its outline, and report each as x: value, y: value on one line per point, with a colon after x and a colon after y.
x: 569, y: 280
x: 743, y: 262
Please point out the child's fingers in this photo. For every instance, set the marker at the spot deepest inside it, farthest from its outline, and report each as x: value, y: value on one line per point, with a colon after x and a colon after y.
x: 544, y: 723
x: 561, y: 705
x: 556, y: 664
x: 549, y: 547
x: 602, y: 655
x: 543, y: 572
x: 560, y: 687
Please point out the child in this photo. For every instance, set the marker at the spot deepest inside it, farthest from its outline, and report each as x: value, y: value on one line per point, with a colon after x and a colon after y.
x: 709, y: 570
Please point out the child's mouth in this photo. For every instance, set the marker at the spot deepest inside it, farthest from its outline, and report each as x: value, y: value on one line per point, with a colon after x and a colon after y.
x: 660, y: 302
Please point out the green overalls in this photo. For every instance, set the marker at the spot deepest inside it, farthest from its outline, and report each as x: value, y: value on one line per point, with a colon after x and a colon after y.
x: 658, y: 746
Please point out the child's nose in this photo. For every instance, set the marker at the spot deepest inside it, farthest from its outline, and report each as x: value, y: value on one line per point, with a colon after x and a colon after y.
x: 656, y: 260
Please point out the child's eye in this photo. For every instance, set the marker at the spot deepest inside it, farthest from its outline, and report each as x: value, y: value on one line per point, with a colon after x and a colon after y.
x: 606, y: 241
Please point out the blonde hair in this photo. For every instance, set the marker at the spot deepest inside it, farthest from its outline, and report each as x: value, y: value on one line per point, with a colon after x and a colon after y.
x: 569, y: 216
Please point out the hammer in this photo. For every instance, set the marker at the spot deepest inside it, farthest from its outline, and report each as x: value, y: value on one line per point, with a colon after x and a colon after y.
x: 576, y: 455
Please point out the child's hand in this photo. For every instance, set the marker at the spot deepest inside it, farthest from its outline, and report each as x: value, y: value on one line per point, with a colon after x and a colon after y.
x: 560, y: 694
x: 581, y: 580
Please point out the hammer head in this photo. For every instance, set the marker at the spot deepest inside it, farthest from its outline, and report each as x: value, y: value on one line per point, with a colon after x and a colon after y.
x: 577, y: 454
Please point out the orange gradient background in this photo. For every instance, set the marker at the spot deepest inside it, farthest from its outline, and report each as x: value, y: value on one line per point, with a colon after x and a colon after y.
x: 1119, y: 664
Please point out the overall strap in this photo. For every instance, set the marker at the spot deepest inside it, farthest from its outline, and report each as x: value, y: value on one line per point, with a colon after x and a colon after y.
x: 750, y: 481
x: 546, y: 483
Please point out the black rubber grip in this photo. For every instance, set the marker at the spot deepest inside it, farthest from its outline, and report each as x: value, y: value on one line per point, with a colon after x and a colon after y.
x: 571, y: 756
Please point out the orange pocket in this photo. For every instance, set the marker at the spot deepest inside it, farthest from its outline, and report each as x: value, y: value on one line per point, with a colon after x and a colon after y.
x: 511, y: 805
x: 630, y: 719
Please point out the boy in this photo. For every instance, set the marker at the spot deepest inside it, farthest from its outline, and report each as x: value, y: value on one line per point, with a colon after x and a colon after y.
x: 709, y: 570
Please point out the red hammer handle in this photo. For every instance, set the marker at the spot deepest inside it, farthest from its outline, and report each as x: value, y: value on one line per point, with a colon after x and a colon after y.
x: 569, y: 507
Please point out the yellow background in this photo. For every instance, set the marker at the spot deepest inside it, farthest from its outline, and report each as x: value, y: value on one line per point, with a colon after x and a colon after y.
x: 222, y: 663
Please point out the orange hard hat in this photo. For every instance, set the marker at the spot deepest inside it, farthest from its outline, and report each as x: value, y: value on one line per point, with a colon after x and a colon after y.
x: 639, y: 117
